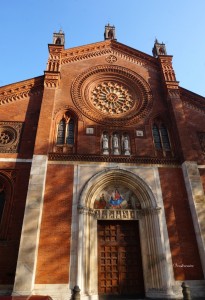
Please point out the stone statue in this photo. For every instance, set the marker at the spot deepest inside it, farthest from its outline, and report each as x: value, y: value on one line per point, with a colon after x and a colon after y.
x: 116, y: 145
x: 115, y: 141
x: 105, y: 144
x: 126, y: 146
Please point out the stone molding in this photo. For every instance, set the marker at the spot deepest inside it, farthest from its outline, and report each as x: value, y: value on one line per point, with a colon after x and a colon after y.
x: 118, y: 214
x: 28, y: 249
x: 196, y: 199
x: 21, y: 90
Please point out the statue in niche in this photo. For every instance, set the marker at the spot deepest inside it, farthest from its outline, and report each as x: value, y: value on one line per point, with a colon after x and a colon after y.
x: 105, y: 144
x: 126, y: 146
x: 116, y: 145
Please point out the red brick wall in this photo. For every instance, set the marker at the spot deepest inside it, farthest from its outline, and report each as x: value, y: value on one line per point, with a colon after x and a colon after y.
x: 54, y: 248
x: 26, y: 111
x: 181, y: 233
x: 9, y: 246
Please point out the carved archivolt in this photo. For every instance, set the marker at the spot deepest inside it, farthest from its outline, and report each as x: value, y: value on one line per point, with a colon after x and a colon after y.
x: 110, y: 94
x: 10, y: 136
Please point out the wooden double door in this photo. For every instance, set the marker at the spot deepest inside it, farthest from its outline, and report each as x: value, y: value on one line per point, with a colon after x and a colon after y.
x: 119, y: 260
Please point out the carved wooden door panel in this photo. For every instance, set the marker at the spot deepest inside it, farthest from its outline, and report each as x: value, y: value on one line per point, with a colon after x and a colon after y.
x: 119, y: 259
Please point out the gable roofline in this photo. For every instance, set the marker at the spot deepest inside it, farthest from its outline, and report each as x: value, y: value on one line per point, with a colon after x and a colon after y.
x: 104, y: 47
x: 37, y: 79
x: 21, y: 90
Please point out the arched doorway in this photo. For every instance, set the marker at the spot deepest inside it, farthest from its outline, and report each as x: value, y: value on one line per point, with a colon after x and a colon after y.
x: 138, y: 211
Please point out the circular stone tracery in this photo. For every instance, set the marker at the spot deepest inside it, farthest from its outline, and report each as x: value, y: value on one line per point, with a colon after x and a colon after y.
x: 7, y: 136
x: 111, y: 97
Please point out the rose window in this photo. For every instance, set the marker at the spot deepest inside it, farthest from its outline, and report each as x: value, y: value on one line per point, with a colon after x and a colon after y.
x: 111, y: 97
x: 7, y: 136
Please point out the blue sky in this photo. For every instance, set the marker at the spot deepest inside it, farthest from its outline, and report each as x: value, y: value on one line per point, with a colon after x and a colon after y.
x: 27, y: 27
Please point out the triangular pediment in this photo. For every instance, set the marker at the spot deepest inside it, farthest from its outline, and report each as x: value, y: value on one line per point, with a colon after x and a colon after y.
x: 108, y: 47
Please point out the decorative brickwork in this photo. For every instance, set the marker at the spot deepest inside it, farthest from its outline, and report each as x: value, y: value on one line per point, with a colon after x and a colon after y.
x: 192, y: 101
x: 109, y: 47
x: 21, y: 90
x: 112, y: 158
x: 51, y: 79
x: 111, y: 59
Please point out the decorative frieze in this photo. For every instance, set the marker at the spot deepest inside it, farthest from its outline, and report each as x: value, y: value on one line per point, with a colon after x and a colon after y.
x: 168, y: 72
x: 109, y: 47
x: 21, y: 91
x: 173, y: 92
x: 113, y: 158
x: 117, y: 214
x: 51, y: 79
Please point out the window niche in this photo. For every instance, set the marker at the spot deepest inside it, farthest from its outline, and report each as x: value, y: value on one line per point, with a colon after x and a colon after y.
x: 161, y: 138
x: 65, y: 134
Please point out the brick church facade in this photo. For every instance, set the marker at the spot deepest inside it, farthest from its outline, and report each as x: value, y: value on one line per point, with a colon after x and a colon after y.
x: 102, y: 176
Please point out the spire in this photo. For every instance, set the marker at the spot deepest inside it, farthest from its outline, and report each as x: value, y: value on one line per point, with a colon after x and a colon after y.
x: 59, y: 38
x: 159, y: 49
x: 109, y: 33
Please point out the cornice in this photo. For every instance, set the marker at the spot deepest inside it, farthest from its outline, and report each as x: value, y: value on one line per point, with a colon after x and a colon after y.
x: 192, y: 100
x: 116, y: 159
x: 106, y: 48
x: 21, y: 90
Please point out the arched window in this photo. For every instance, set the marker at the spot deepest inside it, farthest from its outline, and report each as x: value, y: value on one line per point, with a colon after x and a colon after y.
x: 61, y: 132
x: 165, y: 138
x: 66, y: 131
x: 161, y: 137
x: 156, y: 137
x: 70, y: 132
x: 58, y: 41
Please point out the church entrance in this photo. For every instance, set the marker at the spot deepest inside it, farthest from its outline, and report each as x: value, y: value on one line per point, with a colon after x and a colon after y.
x: 119, y: 260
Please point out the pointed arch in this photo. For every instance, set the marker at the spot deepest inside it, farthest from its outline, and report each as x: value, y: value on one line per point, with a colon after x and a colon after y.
x: 65, y: 131
x: 161, y: 137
